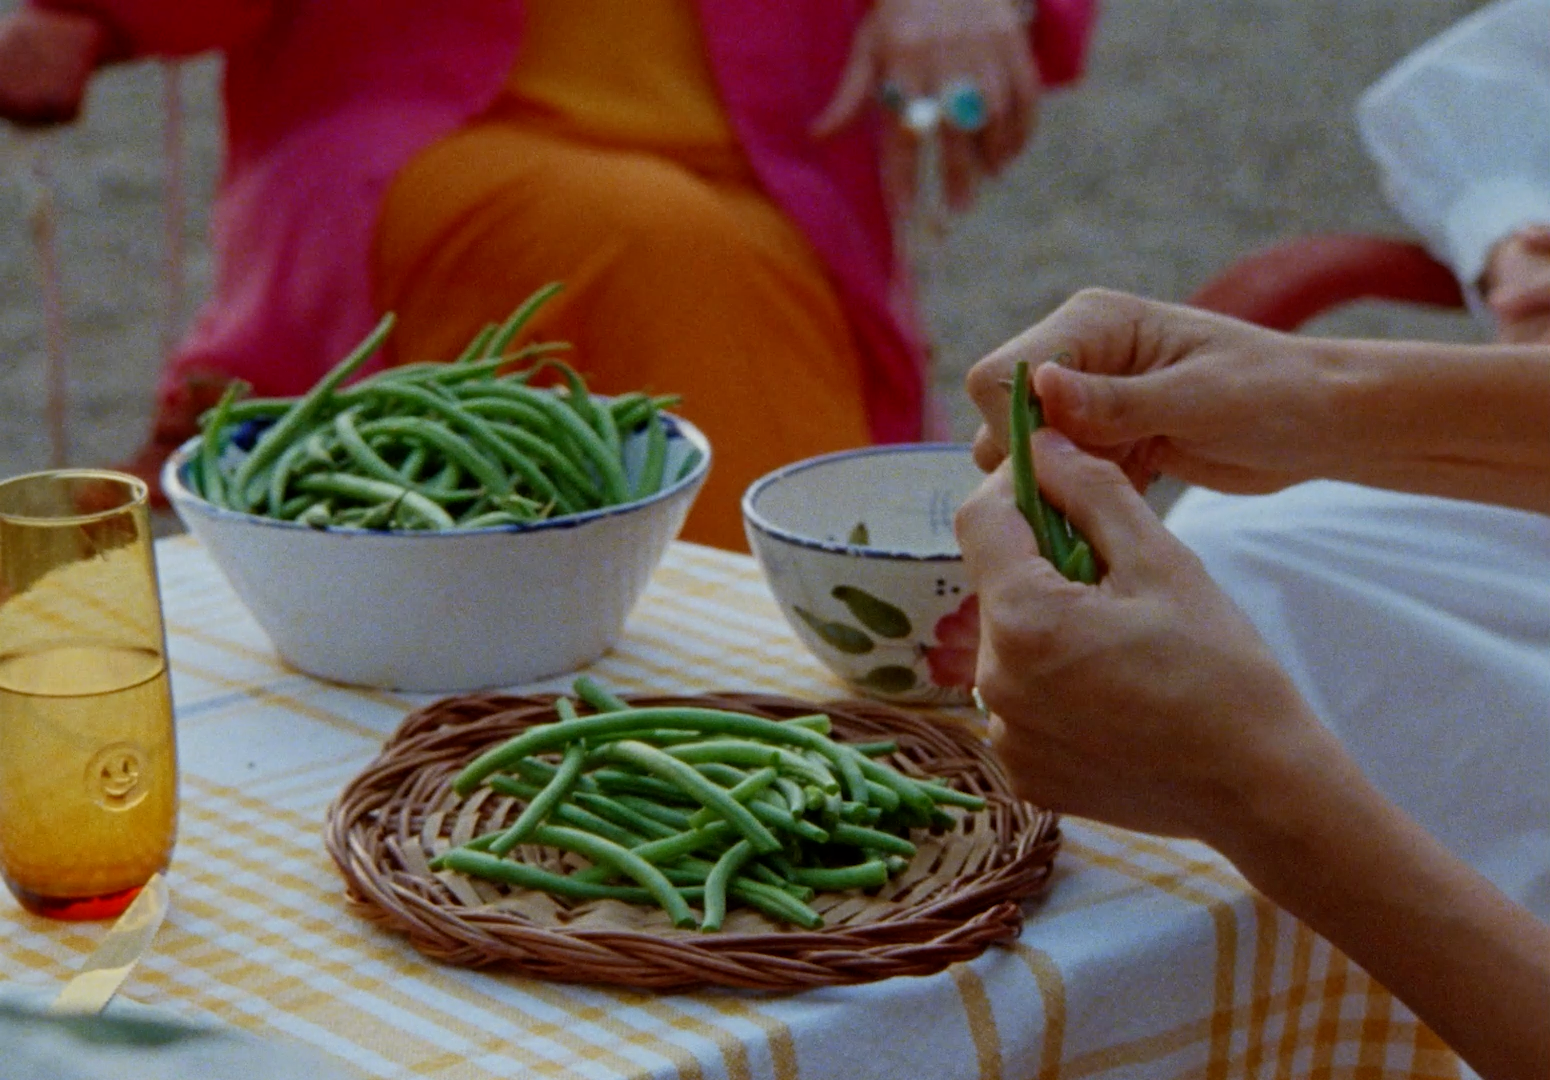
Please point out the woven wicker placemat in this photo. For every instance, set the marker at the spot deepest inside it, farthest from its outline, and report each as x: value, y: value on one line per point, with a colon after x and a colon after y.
x: 959, y: 895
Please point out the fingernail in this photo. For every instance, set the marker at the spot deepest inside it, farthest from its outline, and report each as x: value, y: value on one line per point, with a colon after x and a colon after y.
x: 1064, y: 359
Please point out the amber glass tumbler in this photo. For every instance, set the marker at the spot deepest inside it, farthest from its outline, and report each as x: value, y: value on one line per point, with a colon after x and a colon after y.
x: 88, y: 759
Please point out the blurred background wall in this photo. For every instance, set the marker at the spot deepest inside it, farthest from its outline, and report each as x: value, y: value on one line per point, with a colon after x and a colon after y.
x: 1202, y: 131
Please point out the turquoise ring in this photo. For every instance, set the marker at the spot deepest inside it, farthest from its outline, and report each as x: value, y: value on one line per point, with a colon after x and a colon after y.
x: 964, y: 106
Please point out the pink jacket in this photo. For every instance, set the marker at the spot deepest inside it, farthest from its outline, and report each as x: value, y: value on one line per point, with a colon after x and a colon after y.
x: 326, y: 99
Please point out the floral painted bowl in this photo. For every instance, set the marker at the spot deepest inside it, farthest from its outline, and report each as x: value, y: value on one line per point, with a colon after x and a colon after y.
x: 858, y: 549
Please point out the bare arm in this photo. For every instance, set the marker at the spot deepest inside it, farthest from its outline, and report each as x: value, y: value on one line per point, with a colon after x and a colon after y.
x: 1164, y: 388
x: 1149, y: 702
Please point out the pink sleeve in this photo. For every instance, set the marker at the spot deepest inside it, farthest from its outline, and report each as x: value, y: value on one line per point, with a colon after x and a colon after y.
x: 1061, y: 30
x: 170, y: 27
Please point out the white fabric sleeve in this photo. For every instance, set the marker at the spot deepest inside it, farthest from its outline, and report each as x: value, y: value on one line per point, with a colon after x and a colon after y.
x: 1460, y: 132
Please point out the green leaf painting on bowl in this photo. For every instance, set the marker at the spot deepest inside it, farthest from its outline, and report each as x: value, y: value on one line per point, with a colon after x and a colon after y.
x: 939, y: 669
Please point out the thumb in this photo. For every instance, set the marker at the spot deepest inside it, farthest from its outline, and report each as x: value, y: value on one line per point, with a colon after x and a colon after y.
x: 1098, y: 499
x: 1105, y: 410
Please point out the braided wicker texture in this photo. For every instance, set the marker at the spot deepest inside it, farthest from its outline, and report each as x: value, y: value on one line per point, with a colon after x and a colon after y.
x: 960, y: 894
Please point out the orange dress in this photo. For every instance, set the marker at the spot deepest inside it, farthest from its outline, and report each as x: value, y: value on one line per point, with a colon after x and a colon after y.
x: 608, y: 164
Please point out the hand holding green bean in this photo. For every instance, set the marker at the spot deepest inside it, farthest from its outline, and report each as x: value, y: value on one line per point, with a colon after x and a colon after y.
x: 682, y: 806
x: 1058, y: 540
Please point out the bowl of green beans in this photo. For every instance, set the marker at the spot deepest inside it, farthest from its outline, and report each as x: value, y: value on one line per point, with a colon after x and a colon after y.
x: 440, y: 527
x: 858, y: 550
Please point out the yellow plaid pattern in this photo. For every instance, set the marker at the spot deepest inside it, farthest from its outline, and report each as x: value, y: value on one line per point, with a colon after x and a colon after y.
x: 1150, y: 958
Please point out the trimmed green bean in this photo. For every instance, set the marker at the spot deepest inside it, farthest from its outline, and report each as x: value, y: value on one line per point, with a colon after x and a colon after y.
x: 871, y: 874
x: 693, y: 784
x: 569, y: 813
x: 623, y: 860
x: 537, y: 811
x: 507, y: 872
x: 727, y: 867
x: 875, y: 839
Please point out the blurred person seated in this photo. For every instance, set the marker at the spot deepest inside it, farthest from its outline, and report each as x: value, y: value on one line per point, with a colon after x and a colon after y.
x: 716, y: 185
x: 1150, y: 702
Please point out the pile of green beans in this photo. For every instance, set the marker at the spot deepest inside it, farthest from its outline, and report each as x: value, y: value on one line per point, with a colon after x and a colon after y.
x: 465, y: 444
x: 679, y: 806
x: 1059, y: 541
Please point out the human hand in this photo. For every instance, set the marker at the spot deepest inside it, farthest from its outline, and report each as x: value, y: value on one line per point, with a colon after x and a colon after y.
x: 918, y: 49
x: 1148, y: 700
x: 1163, y: 388
x: 46, y: 61
x: 1516, y: 286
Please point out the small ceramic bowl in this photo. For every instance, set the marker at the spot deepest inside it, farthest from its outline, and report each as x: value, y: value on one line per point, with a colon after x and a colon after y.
x: 858, y: 549
x: 460, y: 610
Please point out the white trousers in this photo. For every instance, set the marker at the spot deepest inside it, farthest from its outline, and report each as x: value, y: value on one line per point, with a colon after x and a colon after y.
x: 1419, y: 630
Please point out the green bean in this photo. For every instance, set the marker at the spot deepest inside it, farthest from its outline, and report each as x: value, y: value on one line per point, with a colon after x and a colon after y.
x: 274, y: 440
x: 569, y: 814
x: 620, y: 858
x: 1024, y: 482
x: 909, y: 791
x: 665, y: 850
x: 520, y: 318
x: 317, y: 516
x: 667, y: 815
x: 537, y: 811
x: 365, y: 458
x: 861, y: 836
x: 356, y: 487
x: 587, y: 440
x: 655, y: 464
x: 581, y: 490
x: 631, y: 410
x: 712, y: 721
x: 879, y: 748
x: 211, y: 484
x: 619, y: 814
x: 727, y: 867
x: 588, y: 690
x: 487, y: 473
x: 950, y: 796
x: 871, y: 874
x: 1057, y: 540
x: 571, y: 886
x: 477, y: 345
x: 619, y: 781
x: 727, y: 776
x: 256, y: 409
x: 776, y: 903
x: 745, y: 752
x: 696, y: 786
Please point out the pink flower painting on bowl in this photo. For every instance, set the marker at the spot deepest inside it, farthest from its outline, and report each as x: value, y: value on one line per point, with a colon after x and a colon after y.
x: 951, y: 659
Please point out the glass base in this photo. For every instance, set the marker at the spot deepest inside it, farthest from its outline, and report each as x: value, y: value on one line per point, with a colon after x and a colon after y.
x: 75, y: 908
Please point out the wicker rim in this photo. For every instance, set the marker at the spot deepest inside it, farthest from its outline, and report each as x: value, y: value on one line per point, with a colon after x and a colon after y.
x: 961, y: 894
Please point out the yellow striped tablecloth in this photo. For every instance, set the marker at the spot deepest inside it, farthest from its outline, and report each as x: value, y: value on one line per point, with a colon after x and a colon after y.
x: 1149, y: 958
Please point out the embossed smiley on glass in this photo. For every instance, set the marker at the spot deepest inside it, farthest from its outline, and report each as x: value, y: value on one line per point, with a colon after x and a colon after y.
x: 88, y: 764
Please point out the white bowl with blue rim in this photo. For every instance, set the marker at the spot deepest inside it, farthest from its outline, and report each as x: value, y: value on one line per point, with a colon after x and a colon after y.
x: 858, y: 550
x: 450, y: 611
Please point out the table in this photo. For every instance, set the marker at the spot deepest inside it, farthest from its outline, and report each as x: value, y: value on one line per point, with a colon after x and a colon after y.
x: 1149, y: 958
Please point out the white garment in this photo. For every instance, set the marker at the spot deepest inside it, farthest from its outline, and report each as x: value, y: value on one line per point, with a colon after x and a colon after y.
x: 1419, y: 630
x: 1460, y: 130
